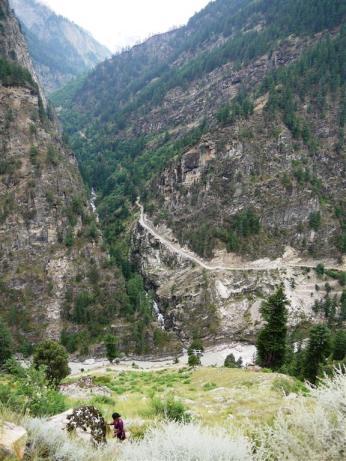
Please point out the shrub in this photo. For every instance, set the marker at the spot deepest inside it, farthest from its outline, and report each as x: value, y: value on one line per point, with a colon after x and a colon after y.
x: 171, y: 441
x: 33, y: 154
x: 102, y: 400
x: 288, y: 386
x: 30, y: 393
x: 52, y: 156
x: 170, y: 409
x: 54, y: 358
x: 194, y: 360
x: 231, y: 362
x: 187, y: 442
x: 309, y: 431
x: 320, y: 269
x: 315, y: 220
x: 209, y: 386
x: 69, y: 238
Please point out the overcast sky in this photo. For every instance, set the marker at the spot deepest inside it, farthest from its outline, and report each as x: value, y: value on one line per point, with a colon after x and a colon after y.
x: 117, y: 23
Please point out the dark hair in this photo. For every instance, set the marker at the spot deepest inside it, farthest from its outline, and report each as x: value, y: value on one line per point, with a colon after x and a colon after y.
x: 115, y: 415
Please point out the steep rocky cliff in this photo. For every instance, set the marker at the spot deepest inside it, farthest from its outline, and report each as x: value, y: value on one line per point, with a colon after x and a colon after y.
x: 231, y: 129
x: 60, y: 49
x: 55, y: 278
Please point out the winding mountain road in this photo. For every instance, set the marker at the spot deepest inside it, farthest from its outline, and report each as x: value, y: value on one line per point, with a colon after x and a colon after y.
x: 185, y: 253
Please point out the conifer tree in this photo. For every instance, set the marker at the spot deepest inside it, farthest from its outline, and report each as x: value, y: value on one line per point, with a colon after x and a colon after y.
x: 5, y: 344
x: 316, y: 352
x: 111, y: 344
x: 339, y: 349
x: 271, y: 341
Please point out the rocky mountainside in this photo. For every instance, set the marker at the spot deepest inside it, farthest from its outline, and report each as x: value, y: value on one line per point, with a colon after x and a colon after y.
x: 60, y: 49
x: 56, y: 279
x: 231, y: 129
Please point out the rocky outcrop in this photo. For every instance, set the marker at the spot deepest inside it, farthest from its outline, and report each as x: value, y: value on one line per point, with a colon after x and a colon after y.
x: 84, y: 388
x: 223, y: 304
x: 12, y: 43
x: 238, y: 168
x: 12, y: 441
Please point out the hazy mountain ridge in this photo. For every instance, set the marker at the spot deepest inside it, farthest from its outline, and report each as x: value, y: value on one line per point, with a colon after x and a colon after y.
x: 60, y: 49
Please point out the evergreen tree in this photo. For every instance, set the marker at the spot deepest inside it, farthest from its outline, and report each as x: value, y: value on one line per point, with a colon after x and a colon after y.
x: 194, y: 360
x: 231, y: 362
x: 54, y: 358
x: 5, y: 344
x: 271, y: 341
x: 343, y: 306
x: 339, y: 347
x: 111, y: 344
x: 316, y: 352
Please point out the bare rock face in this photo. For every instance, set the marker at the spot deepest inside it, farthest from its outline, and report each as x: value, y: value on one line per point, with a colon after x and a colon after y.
x: 12, y: 441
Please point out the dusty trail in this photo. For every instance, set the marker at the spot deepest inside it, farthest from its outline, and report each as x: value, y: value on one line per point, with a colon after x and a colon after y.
x: 255, y: 266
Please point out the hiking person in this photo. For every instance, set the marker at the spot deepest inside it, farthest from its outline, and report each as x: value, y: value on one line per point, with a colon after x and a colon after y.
x: 118, y: 425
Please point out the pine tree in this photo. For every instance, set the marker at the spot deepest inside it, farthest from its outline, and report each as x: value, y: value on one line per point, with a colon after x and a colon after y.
x: 339, y: 349
x: 271, y: 341
x: 343, y: 306
x: 5, y: 344
x: 111, y: 344
x: 316, y: 352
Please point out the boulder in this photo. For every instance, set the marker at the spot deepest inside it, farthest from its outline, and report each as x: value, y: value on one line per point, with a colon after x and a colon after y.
x: 12, y: 441
x: 84, y: 388
x: 85, y: 422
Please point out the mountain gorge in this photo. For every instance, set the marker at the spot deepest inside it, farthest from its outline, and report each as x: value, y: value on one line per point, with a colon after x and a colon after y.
x: 60, y: 49
x: 231, y: 130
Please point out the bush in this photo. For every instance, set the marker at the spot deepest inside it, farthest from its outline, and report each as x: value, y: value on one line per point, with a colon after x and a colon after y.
x: 30, y: 393
x: 309, y: 431
x: 54, y: 358
x: 231, y: 362
x: 167, y: 442
x: 170, y: 409
x: 315, y: 220
x: 288, y: 386
x: 187, y: 442
x: 320, y: 269
x: 194, y: 360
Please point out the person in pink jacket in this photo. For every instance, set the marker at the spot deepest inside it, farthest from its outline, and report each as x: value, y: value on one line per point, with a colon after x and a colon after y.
x: 118, y: 424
